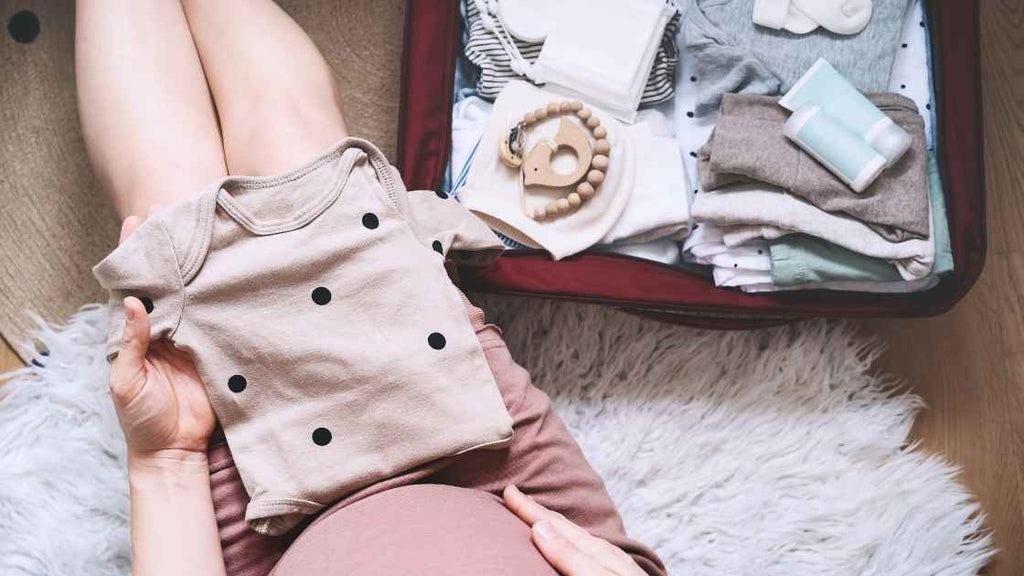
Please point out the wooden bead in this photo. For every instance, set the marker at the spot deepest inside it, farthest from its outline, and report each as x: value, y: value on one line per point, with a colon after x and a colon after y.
x: 563, y: 205
x: 595, y: 177
x: 574, y: 200
x: 600, y: 162
x: 584, y: 113
x: 565, y: 107
x: 593, y: 122
x: 576, y: 105
x: 539, y: 213
x: 530, y: 118
x: 602, y: 147
x: 600, y: 132
x: 552, y: 108
x: 552, y: 208
x: 541, y: 113
x: 585, y: 190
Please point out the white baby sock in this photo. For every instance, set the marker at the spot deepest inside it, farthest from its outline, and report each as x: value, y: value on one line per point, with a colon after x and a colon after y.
x: 839, y: 16
x: 779, y: 14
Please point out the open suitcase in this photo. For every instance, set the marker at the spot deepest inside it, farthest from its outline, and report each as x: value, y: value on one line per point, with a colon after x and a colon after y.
x: 432, y: 44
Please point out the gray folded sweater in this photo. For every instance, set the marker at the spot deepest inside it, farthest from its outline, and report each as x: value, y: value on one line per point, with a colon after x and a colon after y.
x: 748, y: 144
x: 732, y: 54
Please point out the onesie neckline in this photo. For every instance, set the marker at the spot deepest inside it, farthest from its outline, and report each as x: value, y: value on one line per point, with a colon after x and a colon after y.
x: 276, y: 218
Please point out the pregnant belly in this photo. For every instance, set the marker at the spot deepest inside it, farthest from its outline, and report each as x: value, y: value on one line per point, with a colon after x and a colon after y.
x: 423, y: 530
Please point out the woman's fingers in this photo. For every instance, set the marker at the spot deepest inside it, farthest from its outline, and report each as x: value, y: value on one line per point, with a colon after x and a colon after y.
x: 134, y: 343
x: 531, y: 512
x: 601, y: 552
x: 525, y: 507
x: 605, y: 557
x: 128, y: 226
x: 562, y: 554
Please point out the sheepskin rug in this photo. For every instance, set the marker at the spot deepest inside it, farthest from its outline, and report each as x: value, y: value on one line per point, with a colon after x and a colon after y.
x: 773, y: 452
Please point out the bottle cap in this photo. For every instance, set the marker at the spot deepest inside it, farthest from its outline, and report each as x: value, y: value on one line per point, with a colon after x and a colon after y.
x: 891, y: 141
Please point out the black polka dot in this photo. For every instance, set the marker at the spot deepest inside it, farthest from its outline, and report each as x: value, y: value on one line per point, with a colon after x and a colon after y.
x: 436, y: 340
x: 23, y: 26
x: 442, y: 195
x: 904, y: 45
x: 903, y: 86
x: 436, y: 245
x: 928, y: 106
x: 689, y: 114
x: 735, y: 265
x: 321, y: 436
x: 147, y: 303
x: 694, y: 154
x: 760, y: 251
x: 237, y: 383
x: 370, y: 220
x: 693, y: 78
x: 921, y: 24
x: 321, y: 295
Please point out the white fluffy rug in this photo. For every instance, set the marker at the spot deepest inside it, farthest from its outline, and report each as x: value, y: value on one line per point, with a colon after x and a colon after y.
x: 771, y: 452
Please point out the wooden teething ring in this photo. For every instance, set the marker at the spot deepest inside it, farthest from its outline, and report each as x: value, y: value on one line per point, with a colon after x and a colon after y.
x: 536, y: 170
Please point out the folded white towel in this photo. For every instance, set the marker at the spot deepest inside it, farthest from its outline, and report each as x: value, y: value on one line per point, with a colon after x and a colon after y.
x: 603, y: 50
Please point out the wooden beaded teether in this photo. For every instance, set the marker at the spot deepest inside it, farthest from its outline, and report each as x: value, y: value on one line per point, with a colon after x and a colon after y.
x: 535, y: 169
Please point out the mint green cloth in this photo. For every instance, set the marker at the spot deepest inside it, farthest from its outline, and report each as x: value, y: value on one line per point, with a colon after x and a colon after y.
x: 800, y: 259
x: 943, y: 249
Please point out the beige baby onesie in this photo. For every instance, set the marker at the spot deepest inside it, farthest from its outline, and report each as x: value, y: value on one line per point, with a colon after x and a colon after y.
x: 334, y: 348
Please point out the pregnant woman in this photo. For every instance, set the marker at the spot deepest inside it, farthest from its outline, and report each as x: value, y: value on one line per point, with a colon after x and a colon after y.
x: 176, y: 95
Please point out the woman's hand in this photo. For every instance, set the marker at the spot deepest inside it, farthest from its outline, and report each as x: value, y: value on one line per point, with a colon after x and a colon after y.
x: 568, y: 548
x: 160, y: 400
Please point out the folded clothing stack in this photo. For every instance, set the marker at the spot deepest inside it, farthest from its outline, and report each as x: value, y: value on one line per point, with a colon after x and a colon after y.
x: 647, y: 75
x: 808, y: 248
x: 761, y: 187
x: 797, y: 239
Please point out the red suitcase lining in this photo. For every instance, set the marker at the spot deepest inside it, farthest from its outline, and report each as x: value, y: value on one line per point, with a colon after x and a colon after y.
x: 432, y: 42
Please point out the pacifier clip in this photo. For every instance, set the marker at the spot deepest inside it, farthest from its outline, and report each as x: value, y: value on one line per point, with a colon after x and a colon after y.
x: 535, y: 168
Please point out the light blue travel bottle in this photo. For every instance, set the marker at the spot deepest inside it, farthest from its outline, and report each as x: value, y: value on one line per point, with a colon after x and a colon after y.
x: 826, y: 88
x: 844, y: 153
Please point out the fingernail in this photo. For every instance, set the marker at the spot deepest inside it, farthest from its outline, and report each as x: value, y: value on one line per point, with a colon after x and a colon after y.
x: 513, y: 488
x: 544, y: 530
x: 129, y: 312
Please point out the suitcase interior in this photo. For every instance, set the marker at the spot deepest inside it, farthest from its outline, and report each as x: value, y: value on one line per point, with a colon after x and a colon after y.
x: 432, y: 45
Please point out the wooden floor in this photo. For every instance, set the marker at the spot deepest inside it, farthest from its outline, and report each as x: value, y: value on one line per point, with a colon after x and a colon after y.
x: 969, y: 364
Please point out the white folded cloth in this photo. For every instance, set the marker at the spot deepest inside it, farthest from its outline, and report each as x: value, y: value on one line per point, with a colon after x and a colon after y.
x: 768, y: 212
x: 603, y: 50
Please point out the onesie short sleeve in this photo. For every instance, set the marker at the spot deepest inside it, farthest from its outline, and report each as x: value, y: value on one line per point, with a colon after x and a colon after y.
x: 450, y: 229
x: 144, y: 266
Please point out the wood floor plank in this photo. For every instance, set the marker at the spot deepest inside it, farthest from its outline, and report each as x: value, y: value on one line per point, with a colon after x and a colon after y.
x: 8, y: 359
x: 1002, y: 68
x: 969, y: 364
x: 969, y: 369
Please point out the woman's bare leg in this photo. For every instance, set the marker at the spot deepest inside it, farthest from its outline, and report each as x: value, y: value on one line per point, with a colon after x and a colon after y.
x: 146, y: 112
x: 276, y: 96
